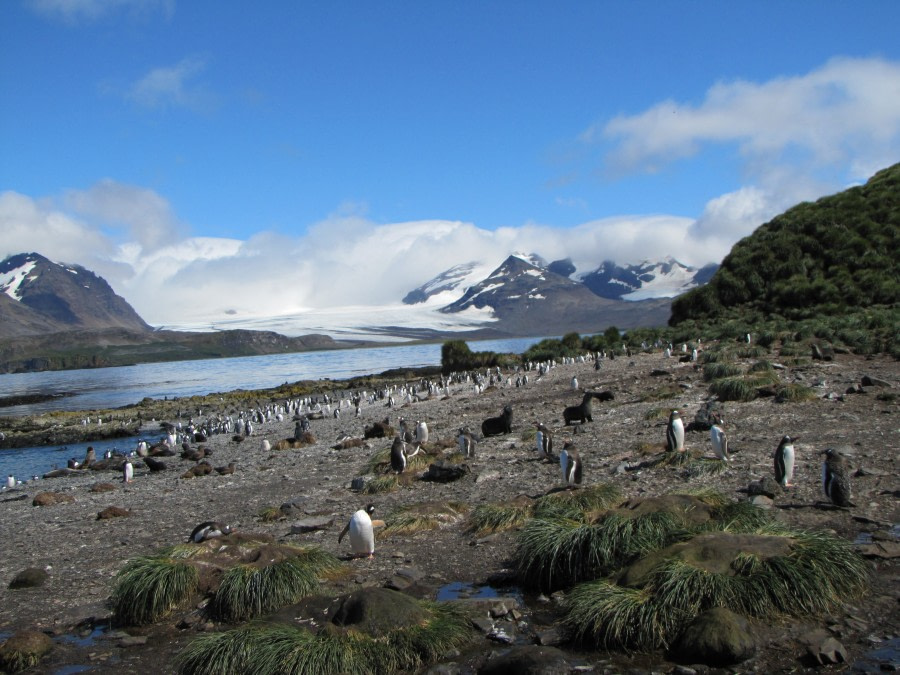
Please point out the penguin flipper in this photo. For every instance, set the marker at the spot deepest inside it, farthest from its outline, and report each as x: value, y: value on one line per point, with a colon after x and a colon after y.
x: 343, y: 532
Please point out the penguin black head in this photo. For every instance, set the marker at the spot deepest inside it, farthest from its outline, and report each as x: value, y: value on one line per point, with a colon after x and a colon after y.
x: 786, y: 440
x: 370, y: 509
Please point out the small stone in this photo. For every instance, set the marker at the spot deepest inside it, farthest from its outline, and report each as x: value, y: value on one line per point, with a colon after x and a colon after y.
x: 483, y: 624
x: 827, y: 651
x: 869, y: 381
x: 762, y: 502
x: 133, y: 641
x: 113, y: 512
x: 312, y: 524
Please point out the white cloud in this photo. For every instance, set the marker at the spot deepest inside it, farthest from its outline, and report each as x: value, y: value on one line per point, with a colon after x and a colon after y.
x: 131, y: 237
x: 169, y: 86
x: 843, y: 116
x: 145, y: 215
x: 74, y: 11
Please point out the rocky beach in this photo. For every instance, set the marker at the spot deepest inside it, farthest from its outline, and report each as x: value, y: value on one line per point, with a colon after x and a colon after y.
x: 304, y: 495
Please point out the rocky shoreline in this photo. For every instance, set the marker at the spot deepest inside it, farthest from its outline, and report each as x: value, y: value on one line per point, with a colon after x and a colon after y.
x: 82, y: 552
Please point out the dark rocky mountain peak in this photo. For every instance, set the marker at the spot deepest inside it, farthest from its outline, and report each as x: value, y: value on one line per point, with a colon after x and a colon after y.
x: 40, y: 296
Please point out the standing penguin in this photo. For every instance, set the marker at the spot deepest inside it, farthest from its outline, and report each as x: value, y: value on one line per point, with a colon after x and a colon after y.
x: 570, y: 463
x: 399, y: 457
x: 362, y: 534
x: 836, y: 478
x: 784, y: 461
x: 675, y: 433
x: 421, y: 433
x: 544, y: 441
x: 467, y: 442
x: 574, y: 383
x: 89, y: 457
x: 718, y: 437
x: 10, y: 481
x: 128, y: 471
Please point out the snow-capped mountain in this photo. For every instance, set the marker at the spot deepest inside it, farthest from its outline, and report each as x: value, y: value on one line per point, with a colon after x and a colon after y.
x: 457, y: 277
x: 647, y: 279
x: 38, y: 295
x: 527, y: 299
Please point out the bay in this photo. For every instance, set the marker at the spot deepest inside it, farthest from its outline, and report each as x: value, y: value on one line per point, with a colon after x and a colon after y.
x: 104, y: 388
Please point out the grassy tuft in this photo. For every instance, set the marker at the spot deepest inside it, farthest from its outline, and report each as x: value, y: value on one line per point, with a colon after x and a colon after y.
x: 149, y: 587
x: 571, y: 503
x: 613, y: 616
x: 423, y: 517
x: 705, y: 467
x: 270, y: 514
x: 717, y: 370
x: 794, y: 392
x: 816, y: 575
x: 490, y: 518
x: 274, y: 649
x: 248, y: 591
x: 381, y: 484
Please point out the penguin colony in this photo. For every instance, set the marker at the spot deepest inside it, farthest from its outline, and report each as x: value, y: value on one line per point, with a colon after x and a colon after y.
x: 835, y: 467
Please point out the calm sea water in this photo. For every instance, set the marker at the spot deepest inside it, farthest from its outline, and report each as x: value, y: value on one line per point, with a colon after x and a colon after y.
x: 102, y: 388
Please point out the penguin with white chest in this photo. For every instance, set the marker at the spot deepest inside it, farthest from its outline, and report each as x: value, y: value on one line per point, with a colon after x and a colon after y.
x: 362, y: 533
x: 675, y: 433
x: 570, y: 463
x: 784, y: 461
x: 399, y: 458
x: 10, y: 481
x: 127, y: 472
x: 209, y: 530
x: 543, y: 441
x: 719, y: 438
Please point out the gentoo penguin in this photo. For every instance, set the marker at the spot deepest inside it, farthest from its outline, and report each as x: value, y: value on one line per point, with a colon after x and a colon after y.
x: 399, y: 456
x: 574, y: 383
x: 467, y: 442
x: 675, y: 433
x: 10, y: 481
x: 784, y: 461
x: 266, y: 445
x: 89, y: 457
x: 128, y: 471
x: 362, y: 535
x: 544, y: 441
x: 836, y: 478
x: 570, y: 463
x: 209, y: 530
x: 421, y: 432
x: 718, y: 437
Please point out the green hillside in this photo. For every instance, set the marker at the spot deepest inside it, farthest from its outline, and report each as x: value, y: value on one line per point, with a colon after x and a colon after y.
x: 834, y: 257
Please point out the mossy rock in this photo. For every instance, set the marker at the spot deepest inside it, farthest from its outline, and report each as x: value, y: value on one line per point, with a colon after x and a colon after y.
x: 31, y: 577
x: 717, y: 637
x: 377, y: 611
x: 714, y: 552
x: 24, y: 650
x: 689, y: 509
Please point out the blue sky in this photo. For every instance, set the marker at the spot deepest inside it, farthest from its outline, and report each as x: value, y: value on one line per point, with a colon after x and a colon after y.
x: 167, y: 143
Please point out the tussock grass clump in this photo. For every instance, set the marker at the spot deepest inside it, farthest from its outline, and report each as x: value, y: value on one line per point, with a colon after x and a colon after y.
x: 381, y: 484
x: 573, y: 503
x: 422, y: 517
x: 718, y: 370
x: 705, y: 467
x: 794, y: 392
x: 761, y: 575
x: 654, y: 414
x: 752, y: 351
x: 149, y: 587
x: 490, y: 518
x: 761, y: 367
x: 274, y: 648
x: 741, y: 388
x: 528, y: 434
x: 249, y: 590
x: 270, y: 514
